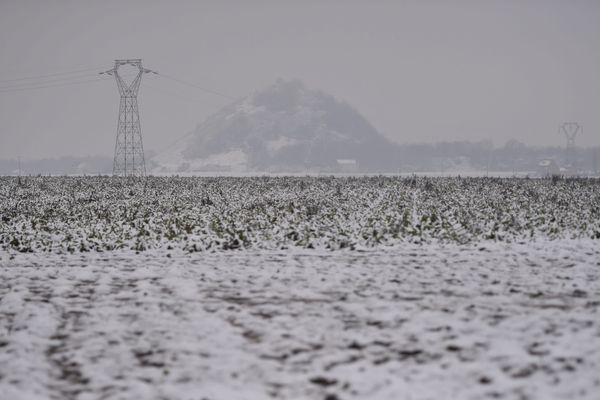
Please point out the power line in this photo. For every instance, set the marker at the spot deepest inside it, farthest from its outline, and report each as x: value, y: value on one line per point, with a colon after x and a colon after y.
x: 33, y: 68
x: 180, y: 97
x: 68, y: 78
x: 52, y: 86
x: 18, y: 85
x: 197, y: 86
x: 48, y: 75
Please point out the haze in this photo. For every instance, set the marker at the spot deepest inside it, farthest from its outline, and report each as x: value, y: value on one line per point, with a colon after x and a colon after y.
x: 420, y: 71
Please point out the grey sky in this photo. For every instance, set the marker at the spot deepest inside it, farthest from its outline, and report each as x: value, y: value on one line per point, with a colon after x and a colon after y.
x: 420, y: 71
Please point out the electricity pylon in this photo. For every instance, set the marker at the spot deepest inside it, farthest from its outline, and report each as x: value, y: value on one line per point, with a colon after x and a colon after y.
x: 129, y: 150
x: 570, y: 130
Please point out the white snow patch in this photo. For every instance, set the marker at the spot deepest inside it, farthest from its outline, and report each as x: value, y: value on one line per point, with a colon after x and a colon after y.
x: 281, y: 142
x: 246, y: 108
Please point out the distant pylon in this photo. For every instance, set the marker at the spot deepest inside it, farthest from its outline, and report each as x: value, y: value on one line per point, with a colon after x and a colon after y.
x: 129, y: 150
x: 570, y: 130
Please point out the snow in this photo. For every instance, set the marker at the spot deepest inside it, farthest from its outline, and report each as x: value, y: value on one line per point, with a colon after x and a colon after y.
x: 281, y: 142
x: 173, y: 161
x: 280, y: 116
x: 474, y: 321
x: 299, y: 288
x: 233, y: 158
x: 65, y: 215
x: 245, y: 108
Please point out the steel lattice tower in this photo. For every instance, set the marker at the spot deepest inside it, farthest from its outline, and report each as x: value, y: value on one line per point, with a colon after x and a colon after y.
x: 570, y: 130
x: 129, y: 150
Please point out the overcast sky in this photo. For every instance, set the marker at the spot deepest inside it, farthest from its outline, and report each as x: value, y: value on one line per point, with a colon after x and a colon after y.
x: 420, y: 71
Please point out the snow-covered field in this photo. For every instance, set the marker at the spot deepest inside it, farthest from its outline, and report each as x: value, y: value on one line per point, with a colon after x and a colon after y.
x: 442, y: 289
x: 79, y: 214
x: 509, y: 321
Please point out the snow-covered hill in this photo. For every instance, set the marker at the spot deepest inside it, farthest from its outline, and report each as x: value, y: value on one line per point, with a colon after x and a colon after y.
x: 285, y: 127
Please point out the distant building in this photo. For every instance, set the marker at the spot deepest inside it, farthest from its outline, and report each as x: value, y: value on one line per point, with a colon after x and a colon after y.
x: 548, y: 167
x: 347, y: 165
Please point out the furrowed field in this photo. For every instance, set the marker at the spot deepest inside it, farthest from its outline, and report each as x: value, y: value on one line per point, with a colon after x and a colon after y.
x: 198, y: 214
x: 329, y: 288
